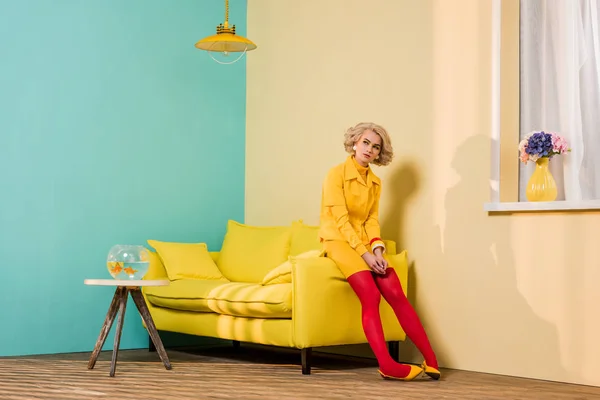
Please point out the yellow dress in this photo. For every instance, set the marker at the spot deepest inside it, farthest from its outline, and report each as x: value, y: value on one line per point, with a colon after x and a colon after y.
x: 349, y: 224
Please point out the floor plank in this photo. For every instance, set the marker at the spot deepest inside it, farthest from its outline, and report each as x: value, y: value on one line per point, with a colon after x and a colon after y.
x: 250, y: 373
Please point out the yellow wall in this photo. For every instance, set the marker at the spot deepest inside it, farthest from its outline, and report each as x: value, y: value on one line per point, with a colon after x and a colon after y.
x: 510, y: 294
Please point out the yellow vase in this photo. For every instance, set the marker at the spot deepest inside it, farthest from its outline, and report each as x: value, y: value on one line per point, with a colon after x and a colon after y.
x: 541, y: 185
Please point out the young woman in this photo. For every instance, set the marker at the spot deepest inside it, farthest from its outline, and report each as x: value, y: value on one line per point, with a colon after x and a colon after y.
x: 350, y: 233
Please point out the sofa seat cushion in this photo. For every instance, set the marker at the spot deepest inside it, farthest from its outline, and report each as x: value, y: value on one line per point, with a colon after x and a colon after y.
x: 252, y: 300
x: 184, y: 294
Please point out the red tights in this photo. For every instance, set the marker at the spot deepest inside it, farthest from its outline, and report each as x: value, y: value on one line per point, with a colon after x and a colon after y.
x: 369, y: 287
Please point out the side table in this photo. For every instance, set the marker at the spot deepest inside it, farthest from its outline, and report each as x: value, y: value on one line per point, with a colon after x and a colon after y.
x: 119, y: 302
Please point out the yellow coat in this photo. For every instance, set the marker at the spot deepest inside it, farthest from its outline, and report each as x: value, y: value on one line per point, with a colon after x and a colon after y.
x: 350, y: 207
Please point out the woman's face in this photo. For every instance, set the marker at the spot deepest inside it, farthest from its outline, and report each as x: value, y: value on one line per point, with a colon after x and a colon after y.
x: 368, y: 148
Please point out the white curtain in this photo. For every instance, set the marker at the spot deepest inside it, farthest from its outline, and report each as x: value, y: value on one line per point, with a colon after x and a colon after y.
x: 560, y: 89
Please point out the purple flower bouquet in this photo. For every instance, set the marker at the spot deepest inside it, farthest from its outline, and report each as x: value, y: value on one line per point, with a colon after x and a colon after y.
x: 542, y: 144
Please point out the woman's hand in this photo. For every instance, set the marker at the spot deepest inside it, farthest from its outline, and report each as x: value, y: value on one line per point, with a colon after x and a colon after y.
x: 379, y: 257
x: 375, y: 263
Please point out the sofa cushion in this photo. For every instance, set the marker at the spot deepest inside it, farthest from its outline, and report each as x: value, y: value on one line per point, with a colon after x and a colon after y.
x: 398, y: 261
x: 156, y: 269
x: 390, y: 246
x: 283, y: 272
x: 249, y: 252
x: 304, y: 238
x: 187, y: 260
x: 184, y: 294
x: 252, y: 300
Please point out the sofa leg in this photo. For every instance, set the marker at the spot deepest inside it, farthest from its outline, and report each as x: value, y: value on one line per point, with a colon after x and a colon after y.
x: 151, y: 347
x: 236, y: 344
x: 306, y: 355
x: 394, y: 349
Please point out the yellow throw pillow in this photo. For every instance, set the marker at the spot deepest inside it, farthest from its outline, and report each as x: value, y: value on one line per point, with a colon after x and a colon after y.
x: 399, y: 260
x: 390, y: 246
x: 304, y: 238
x: 156, y: 270
x: 249, y: 252
x: 187, y: 260
x: 283, y: 272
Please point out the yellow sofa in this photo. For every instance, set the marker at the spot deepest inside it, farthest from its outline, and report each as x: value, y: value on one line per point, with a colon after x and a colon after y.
x: 268, y: 285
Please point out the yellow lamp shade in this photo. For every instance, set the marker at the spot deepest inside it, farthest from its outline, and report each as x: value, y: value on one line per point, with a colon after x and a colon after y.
x: 228, y: 42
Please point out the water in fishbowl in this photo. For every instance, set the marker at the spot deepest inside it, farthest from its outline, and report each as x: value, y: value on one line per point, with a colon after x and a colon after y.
x: 128, y: 270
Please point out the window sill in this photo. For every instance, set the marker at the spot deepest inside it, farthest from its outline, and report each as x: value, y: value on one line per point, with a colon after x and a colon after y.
x: 524, y: 206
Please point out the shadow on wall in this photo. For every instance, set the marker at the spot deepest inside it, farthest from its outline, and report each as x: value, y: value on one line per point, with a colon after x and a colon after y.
x: 477, y: 319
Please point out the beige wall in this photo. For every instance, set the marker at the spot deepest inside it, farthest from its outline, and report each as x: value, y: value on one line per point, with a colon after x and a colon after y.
x: 511, y: 294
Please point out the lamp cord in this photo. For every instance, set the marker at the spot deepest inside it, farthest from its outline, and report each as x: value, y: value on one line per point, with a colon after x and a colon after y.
x: 226, y: 13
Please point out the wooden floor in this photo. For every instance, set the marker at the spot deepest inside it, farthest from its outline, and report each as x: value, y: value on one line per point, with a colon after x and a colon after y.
x: 250, y: 373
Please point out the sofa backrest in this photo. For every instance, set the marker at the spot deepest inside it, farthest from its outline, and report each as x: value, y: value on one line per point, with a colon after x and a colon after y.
x: 250, y: 252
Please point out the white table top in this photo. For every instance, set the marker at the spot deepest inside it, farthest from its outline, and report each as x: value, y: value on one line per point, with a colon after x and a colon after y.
x: 125, y: 282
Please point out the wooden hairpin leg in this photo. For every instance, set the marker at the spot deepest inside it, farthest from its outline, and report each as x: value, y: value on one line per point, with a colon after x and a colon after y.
x: 108, y: 321
x: 120, y: 320
x: 140, y: 303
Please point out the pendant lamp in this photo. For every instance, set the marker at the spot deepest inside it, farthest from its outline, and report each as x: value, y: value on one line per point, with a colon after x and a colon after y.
x: 226, y: 41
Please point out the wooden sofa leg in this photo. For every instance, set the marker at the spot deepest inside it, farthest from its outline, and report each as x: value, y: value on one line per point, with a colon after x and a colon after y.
x: 394, y: 349
x: 151, y: 347
x: 306, y: 355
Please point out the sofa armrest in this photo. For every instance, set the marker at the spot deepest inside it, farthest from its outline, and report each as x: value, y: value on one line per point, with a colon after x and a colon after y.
x: 325, y: 309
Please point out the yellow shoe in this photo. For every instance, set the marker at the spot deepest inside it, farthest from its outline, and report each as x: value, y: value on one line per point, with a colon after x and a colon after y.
x: 415, y: 371
x: 432, y: 372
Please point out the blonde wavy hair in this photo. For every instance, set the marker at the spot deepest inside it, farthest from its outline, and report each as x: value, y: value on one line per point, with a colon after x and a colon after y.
x: 354, y: 133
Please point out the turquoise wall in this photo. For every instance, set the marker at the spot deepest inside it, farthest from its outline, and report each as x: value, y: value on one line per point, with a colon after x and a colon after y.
x: 113, y: 129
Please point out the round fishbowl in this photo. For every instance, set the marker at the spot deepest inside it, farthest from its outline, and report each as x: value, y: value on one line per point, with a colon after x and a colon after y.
x: 126, y: 261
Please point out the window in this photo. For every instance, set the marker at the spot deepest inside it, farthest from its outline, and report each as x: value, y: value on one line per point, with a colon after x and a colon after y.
x: 546, y: 76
